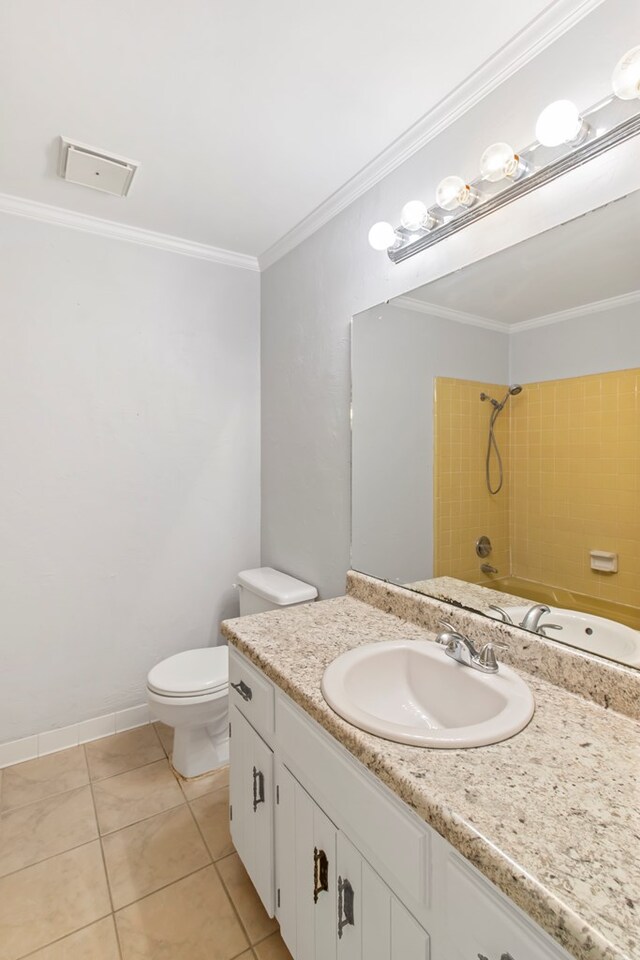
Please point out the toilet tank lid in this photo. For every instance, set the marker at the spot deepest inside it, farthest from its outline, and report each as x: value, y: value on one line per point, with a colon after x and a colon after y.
x: 276, y: 587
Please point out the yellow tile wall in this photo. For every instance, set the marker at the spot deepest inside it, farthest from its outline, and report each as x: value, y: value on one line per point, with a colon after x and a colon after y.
x: 571, y: 450
x: 464, y: 509
x: 575, y: 469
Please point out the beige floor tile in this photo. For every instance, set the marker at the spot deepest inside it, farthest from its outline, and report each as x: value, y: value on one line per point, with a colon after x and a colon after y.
x: 190, y: 920
x: 245, y: 899
x: 43, y: 829
x: 97, y: 942
x: 36, y: 779
x: 206, y: 784
x: 135, y: 795
x: 51, y: 900
x: 212, y: 814
x: 273, y: 948
x: 148, y: 855
x: 123, y: 751
x: 165, y: 734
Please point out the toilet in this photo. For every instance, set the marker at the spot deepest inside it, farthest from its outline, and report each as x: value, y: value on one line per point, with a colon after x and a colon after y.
x: 189, y: 691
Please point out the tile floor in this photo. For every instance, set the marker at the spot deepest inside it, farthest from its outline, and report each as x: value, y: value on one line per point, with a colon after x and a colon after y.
x: 106, y: 855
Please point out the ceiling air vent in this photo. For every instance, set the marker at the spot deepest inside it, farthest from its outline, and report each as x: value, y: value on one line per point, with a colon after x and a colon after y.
x: 89, y: 167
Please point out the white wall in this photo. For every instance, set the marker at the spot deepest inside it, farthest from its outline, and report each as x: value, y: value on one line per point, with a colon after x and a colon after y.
x: 396, y: 354
x: 598, y: 343
x: 309, y: 296
x: 129, y: 443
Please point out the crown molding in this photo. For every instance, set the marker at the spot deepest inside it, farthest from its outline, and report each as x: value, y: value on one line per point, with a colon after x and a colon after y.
x: 547, y: 27
x: 447, y: 313
x: 44, y: 212
x: 511, y: 329
x: 597, y: 306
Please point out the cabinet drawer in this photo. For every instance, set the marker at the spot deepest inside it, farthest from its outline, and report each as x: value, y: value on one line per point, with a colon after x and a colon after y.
x: 492, y: 925
x: 391, y: 840
x: 251, y: 693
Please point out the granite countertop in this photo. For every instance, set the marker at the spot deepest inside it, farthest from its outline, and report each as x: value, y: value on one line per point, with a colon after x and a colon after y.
x: 552, y: 816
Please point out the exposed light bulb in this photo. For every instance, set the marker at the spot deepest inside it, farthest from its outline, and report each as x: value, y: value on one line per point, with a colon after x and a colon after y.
x: 416, y: 217
x: 382, y: 236
x: 500, y: 162
x: 560, y: 123
x: 453, y: 192
x: 626, y: 76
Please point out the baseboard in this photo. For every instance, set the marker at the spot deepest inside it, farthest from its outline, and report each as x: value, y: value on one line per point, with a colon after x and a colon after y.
x: 41, y: 744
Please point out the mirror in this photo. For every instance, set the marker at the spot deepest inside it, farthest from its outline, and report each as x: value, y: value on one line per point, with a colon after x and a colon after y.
x: 496, y: 435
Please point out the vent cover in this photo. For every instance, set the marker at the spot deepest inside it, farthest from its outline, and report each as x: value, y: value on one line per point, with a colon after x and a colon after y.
x: 94, y: 168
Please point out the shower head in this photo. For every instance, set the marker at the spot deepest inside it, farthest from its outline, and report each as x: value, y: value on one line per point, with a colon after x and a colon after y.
x: 515, y: 389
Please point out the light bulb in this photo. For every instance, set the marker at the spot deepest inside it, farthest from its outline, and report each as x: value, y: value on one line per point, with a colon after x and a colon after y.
x: 559, y: 123
x: 626, y: 76
x: 453, y: 192
x: 416, y: 217
x: 499, y: 162
x: 413, y: 215
x: 382, y: 236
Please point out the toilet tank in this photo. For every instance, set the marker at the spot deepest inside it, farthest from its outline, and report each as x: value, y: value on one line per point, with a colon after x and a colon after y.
x: 267, y: 589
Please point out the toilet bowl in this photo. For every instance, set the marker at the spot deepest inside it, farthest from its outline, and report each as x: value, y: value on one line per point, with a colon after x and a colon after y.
x: 190, y: 692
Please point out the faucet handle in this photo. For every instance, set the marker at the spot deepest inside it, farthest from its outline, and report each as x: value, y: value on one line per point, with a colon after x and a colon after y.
x: 487, y: 656
x: 447, y: 625
x: 503, y: 613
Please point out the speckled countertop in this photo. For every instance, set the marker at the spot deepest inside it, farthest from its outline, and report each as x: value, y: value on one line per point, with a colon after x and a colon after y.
x: 552, y: 816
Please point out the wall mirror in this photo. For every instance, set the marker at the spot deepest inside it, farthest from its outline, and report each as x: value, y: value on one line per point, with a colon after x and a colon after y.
x: 496, y: 435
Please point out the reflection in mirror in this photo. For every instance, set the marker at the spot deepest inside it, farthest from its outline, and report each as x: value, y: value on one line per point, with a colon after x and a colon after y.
x: 496, y: 435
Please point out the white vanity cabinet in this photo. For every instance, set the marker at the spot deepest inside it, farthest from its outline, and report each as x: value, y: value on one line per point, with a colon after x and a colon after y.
x: 348, y: 869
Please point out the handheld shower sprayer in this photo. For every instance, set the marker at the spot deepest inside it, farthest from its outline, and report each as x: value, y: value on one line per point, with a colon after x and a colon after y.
x: 513, y: 390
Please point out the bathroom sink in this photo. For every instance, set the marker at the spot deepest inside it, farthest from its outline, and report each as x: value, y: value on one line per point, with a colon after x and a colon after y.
x: 587, y: 632
x: 412, y: 692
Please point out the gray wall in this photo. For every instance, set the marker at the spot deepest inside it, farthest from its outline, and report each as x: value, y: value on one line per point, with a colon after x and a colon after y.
x: 310, y: 295
x: 396, y: 354
x: 591, y: 344
x: 129, y: 488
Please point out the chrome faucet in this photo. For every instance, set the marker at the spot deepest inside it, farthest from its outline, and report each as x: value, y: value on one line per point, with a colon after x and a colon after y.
x: 460, y: 648
x: 503, y: 613
x: 531, y: 619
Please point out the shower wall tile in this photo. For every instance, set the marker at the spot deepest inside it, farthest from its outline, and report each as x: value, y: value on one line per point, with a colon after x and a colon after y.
x: 464, y: 509
x: 575, y: 470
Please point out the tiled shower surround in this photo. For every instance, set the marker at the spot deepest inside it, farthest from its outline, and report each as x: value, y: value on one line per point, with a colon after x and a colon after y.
x: 571, y: 452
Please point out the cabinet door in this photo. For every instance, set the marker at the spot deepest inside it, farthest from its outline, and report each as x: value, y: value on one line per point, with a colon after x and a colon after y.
x: 285, y: 845
x: 376, y: 916
x: 349, y: 914
x: 251, y: 797
x: 408, y: 940
x: 314, y: 878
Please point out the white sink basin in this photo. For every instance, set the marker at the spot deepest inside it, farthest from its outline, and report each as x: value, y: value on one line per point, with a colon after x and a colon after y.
x: 587, y: 632
x: 412, y: 692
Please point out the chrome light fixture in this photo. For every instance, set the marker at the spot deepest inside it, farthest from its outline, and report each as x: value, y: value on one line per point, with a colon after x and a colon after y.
x: 565, y: 139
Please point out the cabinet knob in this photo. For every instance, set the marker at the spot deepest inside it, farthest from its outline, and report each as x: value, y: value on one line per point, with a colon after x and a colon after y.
x: 345, y: 906
x: 503, y: 956
x: 320, y: 873
x: 243, y: 689
x: 258, y: 788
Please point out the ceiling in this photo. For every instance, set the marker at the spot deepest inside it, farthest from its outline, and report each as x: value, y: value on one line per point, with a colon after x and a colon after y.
x: 592, y: 258
x: 245, y: 115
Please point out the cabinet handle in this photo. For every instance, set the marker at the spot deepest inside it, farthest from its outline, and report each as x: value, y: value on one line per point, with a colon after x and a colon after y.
x: 258, y: 788
x: 345, y: 905
x: 243, y: 689
x: 320, y: 873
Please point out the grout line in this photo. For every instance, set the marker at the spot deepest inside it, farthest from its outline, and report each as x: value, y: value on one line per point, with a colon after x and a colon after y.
x: 164, y: 886
x: 51, y: 943
x: 237, y: 912
x: 60, y: 853
x: 150, y: 816
x: 104, y: 860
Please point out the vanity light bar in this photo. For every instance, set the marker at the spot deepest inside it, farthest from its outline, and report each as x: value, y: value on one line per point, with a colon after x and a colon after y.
x: 566, y: 140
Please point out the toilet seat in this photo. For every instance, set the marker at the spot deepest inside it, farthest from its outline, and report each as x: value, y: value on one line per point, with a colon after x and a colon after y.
x: 192, y: 673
